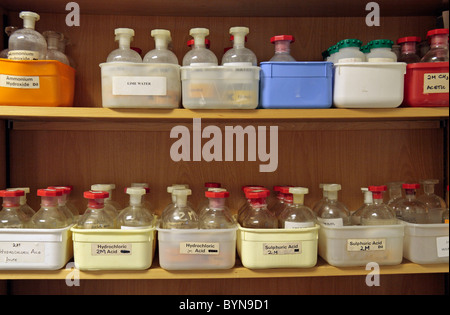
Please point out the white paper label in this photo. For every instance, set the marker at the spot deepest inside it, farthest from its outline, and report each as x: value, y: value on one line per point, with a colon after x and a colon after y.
x: 23, y: 55
x: 442, y: 246
x: 297, y: 225
x: 435, y: 83
x: 139, y: 86
x: 288, y: 248
x: 199, y: 248
x: 331, y: 222
x: 364, y: 245
x: 22, y: 252
x: 19, y: 82
x: 111, y: 249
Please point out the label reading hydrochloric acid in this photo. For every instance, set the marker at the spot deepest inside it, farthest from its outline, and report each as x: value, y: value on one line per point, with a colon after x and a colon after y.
x: 442, y: 246
x: 19, y: 82
x: 22, y: 252
x: 288, y: 248
x: 435, y: 83
x: 199, y: 248
x: 363, y: 245
x: 156, y: 86
x: 23, y: 55
x: 110, y: 249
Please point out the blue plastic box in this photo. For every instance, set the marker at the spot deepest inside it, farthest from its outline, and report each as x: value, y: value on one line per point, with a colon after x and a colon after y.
x: 296, y: 84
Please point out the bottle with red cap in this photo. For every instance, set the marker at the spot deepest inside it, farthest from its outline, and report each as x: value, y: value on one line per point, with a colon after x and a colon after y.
x: 145, y: 202
x: 295, y: 214
x: 246, y: 206
x: 216, y: 215
x: 49, y: 215
x: 205, y: 202
x: 95, y: 216
x: 378, y: 213
x: 135, y: 216
x: 408, y: 49
x: 410, y: 209
x: 11, y: 216
x: 282, y: 47
x: 435, y: 204
x: 438, y: 46
x: 24, y: 207
x: 258, y: 215
x: 278, y: 204
x: 111, y: 206
x: 70, y: 211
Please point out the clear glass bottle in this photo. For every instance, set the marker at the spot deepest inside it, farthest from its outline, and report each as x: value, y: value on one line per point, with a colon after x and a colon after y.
x: 435, y: 204
x: 333, y: 212
x: 53, y: 39
x: 124, y: 53
x: 8, y: 30
x: 62, y: 205
x: 161, y: 53
x: 410, y: 209
x: 278, y: 205
x: 368, y: 200
x: 258, y: 215
x: 145, y: 202
x: 296, y: 215
x: 181, y: 215
x: 395, y: 196
x: 64, y: 202
x: 242, y: 212
x: 322, y: 201
x: 349, y: 51
x: 135, y: 216
x: 112, y: 207
x: 62, y: 48
x: 173, y: 197
x: 49, y: 216
x: 216, y: 215
x: 438, y: 46
x: 409, y: 49
x: 282, y: 47
x: 11, y: 216
x: 445, y: 214
x: 26, y: 43
x: 381, y: 51
x: 24, y: 207
x: 211, y: 186
x: 199, y: 55
x: 239, y: 54
x: 95, y: 216
x: 378, y: 213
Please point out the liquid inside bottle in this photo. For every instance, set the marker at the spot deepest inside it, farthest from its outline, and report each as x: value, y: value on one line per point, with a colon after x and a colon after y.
x: 295, y: 214
x: 53, y: 38
x: 410, y: 209
x: 199, y: 55
x: 24, y: 207
x: 408, y: 46
x: 435, y: 204
x: 239, y: 54
x: 282, y: 47
x: 333, y: 212
x: 377, y: 213
x: 124, y: 53
x: 368, y: 200
x: 216, y: 215
x: 49, y: 216
x: 95, y: 216
x: 438, y: 46
x: 11, y: 216
x: 258, y: 215
x: 181, y: 215
x: 135, y: 215
x: 161, y: 53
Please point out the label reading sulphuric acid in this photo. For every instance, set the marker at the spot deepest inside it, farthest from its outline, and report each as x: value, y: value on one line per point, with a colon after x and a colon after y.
x: 22, y: 252
x: 199, y: 248
x: 442, y: 246
x: 127, y: 85
x: 110, y: 249
x: 363, y: 245
x: 288, y: 248
x: 435, y: 83
x: 19, y: 82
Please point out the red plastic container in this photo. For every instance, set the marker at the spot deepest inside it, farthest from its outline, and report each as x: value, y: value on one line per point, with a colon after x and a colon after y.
x: 426, y: 84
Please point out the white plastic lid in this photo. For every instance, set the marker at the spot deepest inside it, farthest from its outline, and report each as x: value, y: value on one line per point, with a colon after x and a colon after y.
x: 181, y: 195
x: 162, y: 38
x: 239, y: 33
x: 136, y: 194
x: 29, y: 18
x: 199, y: 35
x: 332, y: 190
x: 298, y: 194
x: 104, y: 187
x: 124, y: 36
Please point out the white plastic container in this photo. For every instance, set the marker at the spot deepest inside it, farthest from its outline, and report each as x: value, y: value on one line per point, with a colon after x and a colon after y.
x: 220, y: 87
x: 140, y: 85
x: 277, y: 248
x: 368, y: 85
x: 349, y: 246
x: 190, y: 249
x: 35, y: 249
x: 426, y: 243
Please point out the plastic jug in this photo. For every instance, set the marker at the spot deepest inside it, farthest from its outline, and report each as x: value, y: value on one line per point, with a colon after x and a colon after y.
x: 161, y: 53
x: 199, y: 55
x: 239, y: 55
x: 124, y: 53
x: 282, y: 47
x: 295, y: 214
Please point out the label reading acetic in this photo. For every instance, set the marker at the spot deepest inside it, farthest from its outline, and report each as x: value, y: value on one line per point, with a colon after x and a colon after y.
x: 19, y: 82
x: 111, y: 249
x: 22, y: 252
x: 199, y: 248
x: 435, y: 83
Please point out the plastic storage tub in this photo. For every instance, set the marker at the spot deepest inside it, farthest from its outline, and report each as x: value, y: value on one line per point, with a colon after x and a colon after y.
x: 296, y: 84
x: 426, y: 84
x: 140, y: 85
x: 349, y: 246
x: 35, y: 249
x: 113, y: 249
x: 189, y: 249
x: 36, y: 83
x: 368, y: 84
x: 426, y: 243
x: 277, y: 248
x: 220, y: 87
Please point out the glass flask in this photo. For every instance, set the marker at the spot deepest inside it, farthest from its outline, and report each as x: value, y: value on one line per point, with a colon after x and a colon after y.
x: 145, y: 202
x: 282, y: 45
x: 410, y: 209
x: 216, y: 215
x: 95, y: 216
x: 181, y: 215
x: 8, y: 30
x: 368, y: 200
x: 161, y: 53
x: 409, y: 49
x: 26, y: 43
x: 62, y: 48
x: 112, y: 207
x: 278, y: 205
x: 435, y: 204
x: 333, y: 212
x: 295, y: 214
x: 349, y: 51
x: 49, y: 216
x: 381, y: 51
x: 378, y: 213
x: 242, y: 212
x: 239, y: 54
x: 11, y: 216
x: 438, y: 46
x: 53, y: 38
x: 258, y: 215
x: 199, y: 55
x: 135, y: 216
x: 124, y: 53
x: 24, y: 207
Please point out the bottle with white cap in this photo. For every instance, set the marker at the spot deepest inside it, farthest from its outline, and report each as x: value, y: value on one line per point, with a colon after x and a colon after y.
x: 322, y: 201
x: 27, y: 43
x: 216, y: 215
x: 173, y: 197
x: 295, y: 214
x: 333, y: 212
x: 11, y: 216
x: 378, y: 213
x: 181, y: 216
x: 161, y: 53
x: 95, y: 216
x: 65, y: 200
x: 239, y: 55
x: 53, y: 53
x: 145, y: 202
x: 111, y: 206
x: 24, y: 207
x: 199, y: 55
x: 124, y: 53
x: 282, y: 47
x: 49, y: 216
x: 436, y: 205
x: 410, y: 209
x: 135, y: 216
x: 368, y: 200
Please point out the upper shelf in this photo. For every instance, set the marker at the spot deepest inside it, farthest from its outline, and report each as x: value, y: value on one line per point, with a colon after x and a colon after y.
x: 266, y: 8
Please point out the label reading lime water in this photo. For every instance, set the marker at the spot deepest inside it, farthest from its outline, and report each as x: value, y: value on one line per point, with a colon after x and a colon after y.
x: 442, y: 246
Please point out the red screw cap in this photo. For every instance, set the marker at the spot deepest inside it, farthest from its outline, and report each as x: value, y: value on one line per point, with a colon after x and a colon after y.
x: 11, y: 193
x: 282, y: 37
x: 217, y: 194
x: 49, y: 192
x: 408, y: 39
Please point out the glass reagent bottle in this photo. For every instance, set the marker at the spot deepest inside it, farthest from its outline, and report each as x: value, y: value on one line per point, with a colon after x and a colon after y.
x: 199, y: 55
x: 161, y: 53
x: 11, y: 216
x: 124, y: 53
x: 378, y: 213
x: 239, y: 55
x: 216, y: 215
x: 95, y: 216
x: 296, y: 215
x: 135, y: 216
x: 282, y: 47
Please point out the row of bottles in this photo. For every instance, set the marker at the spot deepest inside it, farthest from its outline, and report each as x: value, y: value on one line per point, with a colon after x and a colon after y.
x: 438, y: 52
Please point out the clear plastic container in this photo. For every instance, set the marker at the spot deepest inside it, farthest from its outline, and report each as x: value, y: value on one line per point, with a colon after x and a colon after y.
x: 410, y: 209
x: 95, y: 216
x: 239, y: 55
x: 378, y: 213
x: 124, y: 53
x: 161, y: 53
x: 135, y: 216
x: 409, y: 49
x: 11, y: 216
x: 435, y: 204
x: 8, y: 30
x: 26, y: 43
x: 295, y: 214
x: 368, y: 200
x: 49, y: 215
x: 258, y: 215
x: 282, y: 47
x: 53, y: 38
x: 332, y: 212
x: 24, y: 207
x: 349, y: 51
x: 381, y: 51
x: 181, y: 215
x: 216, y: 215
x: 438, y: 46
x: 199, y: 55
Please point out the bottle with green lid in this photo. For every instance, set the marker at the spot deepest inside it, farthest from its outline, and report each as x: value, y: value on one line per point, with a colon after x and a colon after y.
x: 381, y: 51
x: 332, y: 53
x: 349, y: 51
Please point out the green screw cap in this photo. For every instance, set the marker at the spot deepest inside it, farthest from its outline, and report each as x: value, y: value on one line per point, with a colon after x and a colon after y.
x: 381, y: 43
x: 350, y: 42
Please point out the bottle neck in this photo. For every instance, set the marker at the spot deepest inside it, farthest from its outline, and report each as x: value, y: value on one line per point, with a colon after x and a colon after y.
x: 52, y: 43
x: 96, y: 204
x: 282, y: 47
x: 124, y: 42
x: 29, y: 23
x: 135, y: 200
x: 410, y: 194
x: 217, y: 203
x: 428, y: 189
x: 439, y: 41
x: 409, y: 48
